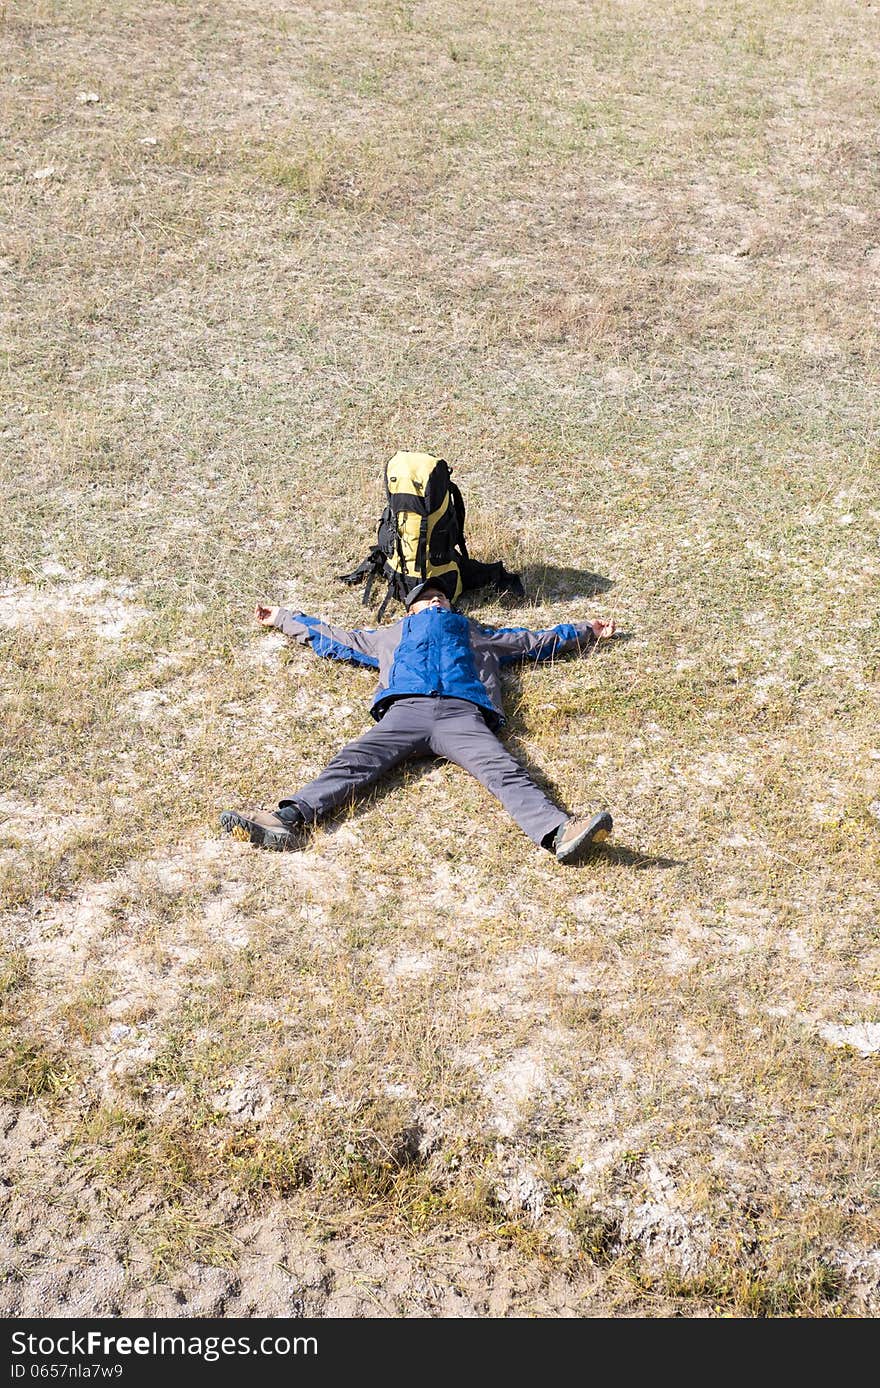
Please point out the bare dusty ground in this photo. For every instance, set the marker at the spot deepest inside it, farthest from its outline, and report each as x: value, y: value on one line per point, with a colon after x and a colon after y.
x: 619, y: 265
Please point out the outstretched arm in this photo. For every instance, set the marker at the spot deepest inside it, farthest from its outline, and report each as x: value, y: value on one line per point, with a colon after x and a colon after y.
x: 336, y: 643
x: 519, y: 643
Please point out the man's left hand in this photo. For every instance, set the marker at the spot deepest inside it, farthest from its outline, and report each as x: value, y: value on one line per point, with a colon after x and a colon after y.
x: 603, y: 628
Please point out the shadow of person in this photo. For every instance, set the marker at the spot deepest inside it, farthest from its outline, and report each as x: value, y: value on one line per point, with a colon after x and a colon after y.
x: 544, y: 582
x: 628, y: 857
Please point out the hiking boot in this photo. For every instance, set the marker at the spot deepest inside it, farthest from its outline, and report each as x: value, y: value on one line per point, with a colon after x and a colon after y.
x: 261, y: 827
x: 576, y: 834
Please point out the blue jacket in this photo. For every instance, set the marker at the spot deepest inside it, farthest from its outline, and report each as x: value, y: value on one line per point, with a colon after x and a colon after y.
x: 436, y: 652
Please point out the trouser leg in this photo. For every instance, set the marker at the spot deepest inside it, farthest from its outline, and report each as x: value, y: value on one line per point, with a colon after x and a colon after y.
x: 403, y: 732
x: 461, y: 735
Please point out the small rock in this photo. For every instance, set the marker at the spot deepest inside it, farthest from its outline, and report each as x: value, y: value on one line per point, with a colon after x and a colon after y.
x: 41, y: 174
x: 88, y: 98
x: 148, y: 140
x: 863, y: 1037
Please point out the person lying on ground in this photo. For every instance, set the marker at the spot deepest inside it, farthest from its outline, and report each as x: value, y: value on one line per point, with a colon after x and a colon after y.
x: 439, y: 692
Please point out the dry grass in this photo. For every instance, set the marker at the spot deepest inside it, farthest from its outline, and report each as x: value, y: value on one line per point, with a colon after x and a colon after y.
x: 620, y: 268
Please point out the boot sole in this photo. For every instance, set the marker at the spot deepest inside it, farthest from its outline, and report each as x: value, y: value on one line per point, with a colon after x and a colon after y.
x: 246, y: 831
x: 597, y: 831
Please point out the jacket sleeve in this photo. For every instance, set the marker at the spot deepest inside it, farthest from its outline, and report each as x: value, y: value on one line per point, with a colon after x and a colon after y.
x: 519, y: 643
x: 336, y: 643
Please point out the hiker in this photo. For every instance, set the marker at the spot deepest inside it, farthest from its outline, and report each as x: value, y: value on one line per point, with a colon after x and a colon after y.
x: 439, y: 691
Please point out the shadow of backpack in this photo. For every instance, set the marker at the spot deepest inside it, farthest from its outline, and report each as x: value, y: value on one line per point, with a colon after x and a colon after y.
x: 421, y: 537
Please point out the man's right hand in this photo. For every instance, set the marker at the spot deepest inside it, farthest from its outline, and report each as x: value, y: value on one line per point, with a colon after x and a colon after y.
x: 265, y: 615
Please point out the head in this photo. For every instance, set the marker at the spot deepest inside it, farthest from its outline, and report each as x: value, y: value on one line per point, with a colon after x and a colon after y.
x: 428, y: 595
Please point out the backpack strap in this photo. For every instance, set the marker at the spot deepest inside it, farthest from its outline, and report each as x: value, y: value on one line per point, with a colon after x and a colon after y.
x: 422, y: 548
x: 366, y: 566
x: 372, y: 564
x: 370, y: 569
x: 396, y: 589
x: 400, y: 555
x: 385, y: 601
x: 458, y: 503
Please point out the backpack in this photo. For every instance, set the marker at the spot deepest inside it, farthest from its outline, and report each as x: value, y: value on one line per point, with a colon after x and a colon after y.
x: 421, y: 536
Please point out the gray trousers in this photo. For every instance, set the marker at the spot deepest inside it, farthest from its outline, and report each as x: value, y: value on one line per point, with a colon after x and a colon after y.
x: 450, y: 728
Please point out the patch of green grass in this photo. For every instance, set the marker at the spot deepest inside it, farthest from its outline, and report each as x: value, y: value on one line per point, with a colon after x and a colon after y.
x: 83, y: 1014
x: 809, y: 1290
x: 32, y: 1069
x: 179, y: 1158
x: 14, y: 972
x: 180, y: 1235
